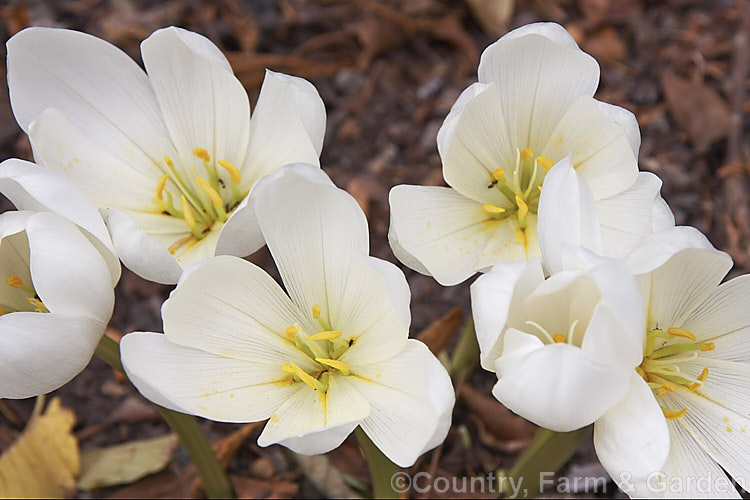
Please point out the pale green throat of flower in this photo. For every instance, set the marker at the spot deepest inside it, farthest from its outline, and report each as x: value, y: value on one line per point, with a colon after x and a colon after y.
x: 523, y: 190
x: 324, y: 347
x: 665, y: 351
x: 32, y: 299
x: 203, y: 200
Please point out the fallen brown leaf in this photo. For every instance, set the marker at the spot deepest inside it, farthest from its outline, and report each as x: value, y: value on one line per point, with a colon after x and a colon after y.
x: 245, y: 487
x: 498, y: 420
x: 440, y: 332
x: 492, y: 15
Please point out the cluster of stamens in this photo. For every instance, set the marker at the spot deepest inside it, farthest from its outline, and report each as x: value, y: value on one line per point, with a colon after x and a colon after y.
x: 33, y: 299
x: 324, y: 347
x: 523, y: 190
x: 203, y: 200
x: 665, y: 351
x: 555, y: 338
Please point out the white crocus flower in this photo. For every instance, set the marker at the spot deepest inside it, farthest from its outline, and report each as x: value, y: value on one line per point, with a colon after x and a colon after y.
x: 686, y: 413
x: 169, y: 156
x: 56, y: 297
x: 563, y: 347
x: 531, y: 108
x: 329, y: 356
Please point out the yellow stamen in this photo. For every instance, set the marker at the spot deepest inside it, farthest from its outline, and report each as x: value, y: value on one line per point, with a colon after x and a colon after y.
x: 545, y: 162
x: 665, y: 388
x: 707, y: 346
x: 523, y: 208
x: 14, y: 281
x: 316, y: 312
x: 492, y: 209
x: 681, y: 332
x: 334, y: 363
x: 186, y: 211
x: 704, y: 375
x: 202, y: 154
x: 526, y: 153
x: 693, y: 387
x: 211, y: 192
x: 498, y: 174
x: 234, y: 172
x: 559, y: 338
x: 286, y: 368
x: 177, y: 244
x: 290, y: 332
x: 674, y: 415
x: 304, y: 376
x: 169, y: 161
x: 160, y: 186
x: 329, y: 335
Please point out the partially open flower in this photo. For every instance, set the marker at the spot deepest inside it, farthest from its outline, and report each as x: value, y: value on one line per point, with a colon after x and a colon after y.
x: 170, y: 156
x: 531, y: 108
x: 331, y: 355
x: 56, y: 297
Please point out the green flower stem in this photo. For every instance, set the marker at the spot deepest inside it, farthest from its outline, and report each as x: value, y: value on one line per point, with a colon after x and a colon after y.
x: 382, y: 470
x: 466, y: 354
x: 547, y: 452
x: 215, y: 481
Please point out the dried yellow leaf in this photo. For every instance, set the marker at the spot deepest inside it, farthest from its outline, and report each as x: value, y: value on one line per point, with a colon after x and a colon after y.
x: 44, y: 461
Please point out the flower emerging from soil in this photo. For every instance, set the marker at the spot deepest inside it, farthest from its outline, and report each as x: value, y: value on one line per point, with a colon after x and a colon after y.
x: 531, y: 108
x: 329, y: 356
x: 56, y: 297
x: 684, y: 425
x: 170, y: 156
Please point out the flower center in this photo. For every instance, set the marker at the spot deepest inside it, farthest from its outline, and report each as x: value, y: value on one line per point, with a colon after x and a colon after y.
x: 199, y: 200
x: 665, y: 352
x: 25, y: 292
x: 324, y: 347
x: 556, y: 338
x: 523, y: 190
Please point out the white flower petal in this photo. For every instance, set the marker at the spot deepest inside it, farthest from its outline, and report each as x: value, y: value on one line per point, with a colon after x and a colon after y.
x: 473, y: 143
x: 411, y: 396
x: 232, y: 308
x: 570, y: 390
x: 725, y: 311
x: 567, y: 215
x: 689, y: 472
x: 95, y: 85
x: 451, y: 235
x: 68, y: 273
x: 728, y: 382
x: 43, y: 351
x: 677, y: 270
x: 608, y: 342
x: 287, y: 126
x: 632, y: 438
x: 553, y: 31
x: 203, y: 104
x: 625, y: 119
x: 30, y: 187
x: 200, y: 383
x: 310, y: 423
x: 626, y: 217
x: 241, y: 234
x: 600, y: 150
x: 398, y: 287
x: 539, y: 74
x: 497, y: 302
x: 661, y: 215
x: 140, y: 252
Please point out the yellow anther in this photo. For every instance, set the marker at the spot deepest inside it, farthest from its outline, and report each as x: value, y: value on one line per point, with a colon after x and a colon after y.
x: 681, y: 332
x: 523, y: 208
x: 329, y: 335
x: 304, y: 376
x: 526, y: 153
x: 202, y: 154
x: 290, y: 332
x: 211, y: 192
x: 334, y: 363
x: 559, y: 338
x: 492, y: 209
x: 498, y: 174
x: 169, y: 161
x: 234, y: 172
x: 674, y: 415
x: 707, y: 346
x: 189, y: 219
x: 545, y: 162
x: 316, y: 312
x: 665, y: 388
x: 14, y: 281
x: 693, y: 387
x: 160, y: 186
x: 704, y: 375
x: 286, y: 368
